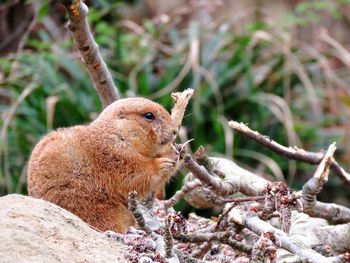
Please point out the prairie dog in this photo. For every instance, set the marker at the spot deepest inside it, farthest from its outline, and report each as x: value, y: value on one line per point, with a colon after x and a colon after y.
x: 89, y: 170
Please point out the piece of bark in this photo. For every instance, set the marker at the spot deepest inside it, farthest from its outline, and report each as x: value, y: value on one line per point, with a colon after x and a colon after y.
x: 338, y: 236
x: 180, y: 102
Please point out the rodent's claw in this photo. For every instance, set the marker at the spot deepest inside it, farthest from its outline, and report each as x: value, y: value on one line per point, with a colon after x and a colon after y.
x: 166, y: 162
x: 166, y: 166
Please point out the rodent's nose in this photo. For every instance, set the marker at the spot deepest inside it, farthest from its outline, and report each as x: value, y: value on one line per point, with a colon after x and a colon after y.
x: 174, y: 132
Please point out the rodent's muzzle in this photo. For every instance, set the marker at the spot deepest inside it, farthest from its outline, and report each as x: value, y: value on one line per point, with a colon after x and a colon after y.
x: 169, y: 137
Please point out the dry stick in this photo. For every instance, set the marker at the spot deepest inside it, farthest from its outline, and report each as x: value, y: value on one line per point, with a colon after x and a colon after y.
x: 291, y: 153
x: 188, y: 187
x: 158, y: 239
x: 280, y: 200
x: 333, y: 212
x: 217, y: 185
x: 202, y: 158
x: 223, y: 237
x: 169, y: 244
x: 258, y: 226
x: 251, y: 184
x: 244, y: 199
x: 132, y: 206
x: 88, y: 48
x: 207, y: 246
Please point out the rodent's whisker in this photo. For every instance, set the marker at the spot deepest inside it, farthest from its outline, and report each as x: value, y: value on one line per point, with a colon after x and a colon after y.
x: 181, y: 149
x: 186, y: 142
x: 187, y: 115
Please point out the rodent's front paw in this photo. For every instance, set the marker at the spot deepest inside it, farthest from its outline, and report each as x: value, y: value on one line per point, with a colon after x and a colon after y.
x: 166, y: 166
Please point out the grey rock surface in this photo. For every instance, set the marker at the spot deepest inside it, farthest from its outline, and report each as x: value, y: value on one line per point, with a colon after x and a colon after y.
x: 33, y: 230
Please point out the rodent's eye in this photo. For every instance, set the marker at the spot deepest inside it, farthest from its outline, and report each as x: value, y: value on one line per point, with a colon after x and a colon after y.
x: 149, y: 116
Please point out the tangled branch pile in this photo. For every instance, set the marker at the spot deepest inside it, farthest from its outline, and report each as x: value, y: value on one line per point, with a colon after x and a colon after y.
x: 270, y: 222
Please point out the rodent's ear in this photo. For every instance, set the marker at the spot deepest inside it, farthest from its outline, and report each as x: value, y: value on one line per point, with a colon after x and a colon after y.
x: 121, y: 114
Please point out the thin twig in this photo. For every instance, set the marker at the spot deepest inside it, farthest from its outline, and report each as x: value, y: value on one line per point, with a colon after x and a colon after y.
x: 132, y: 206
x: 217, y: 185
x: 289, y: 152
x: 88, y: 48
x: 168, y: 240
x: 139, y: 217
x: 223, y: 237
x: 188, y: 187
x: 244, y: 199
x: 207, y: 246
x: 148, y: 201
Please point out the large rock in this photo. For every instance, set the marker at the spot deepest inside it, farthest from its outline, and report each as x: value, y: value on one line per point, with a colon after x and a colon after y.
x: 33, y: 230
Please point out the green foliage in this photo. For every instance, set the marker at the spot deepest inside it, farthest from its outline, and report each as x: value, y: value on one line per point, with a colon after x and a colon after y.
x: 308, y: 12
x: 35, y: 81
x: 255, y: 77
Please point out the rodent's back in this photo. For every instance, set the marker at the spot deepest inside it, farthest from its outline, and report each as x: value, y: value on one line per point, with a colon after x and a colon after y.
x: 52, y: 162
x: 60, y: 171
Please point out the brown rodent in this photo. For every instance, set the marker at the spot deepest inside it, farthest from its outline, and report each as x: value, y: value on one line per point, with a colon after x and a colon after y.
x: 89, y: 170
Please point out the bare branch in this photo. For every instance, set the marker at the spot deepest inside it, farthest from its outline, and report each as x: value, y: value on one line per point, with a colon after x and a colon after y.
x: 244, y: 199
x: 247, y: 182
x: 207, y: 245
x: 240, y: 179
x: 289, y: 152
x: 258, y: 226
x: 132, y: 205
x: 158, y: 239
x: 279, y: 198
x: 188, y: 187
x: 332, y: 212
x: 168, y: 240
x: 217, y: 185
x: 88, y: 48
x: 223, y: 237
x: 202, y: 158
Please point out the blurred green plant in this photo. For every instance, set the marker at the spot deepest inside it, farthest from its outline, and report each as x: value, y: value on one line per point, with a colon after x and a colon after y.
x: 281, y: 87
x: 307, y: 12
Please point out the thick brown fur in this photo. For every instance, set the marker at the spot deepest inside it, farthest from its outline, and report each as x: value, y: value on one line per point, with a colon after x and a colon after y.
x: 89, y: 170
